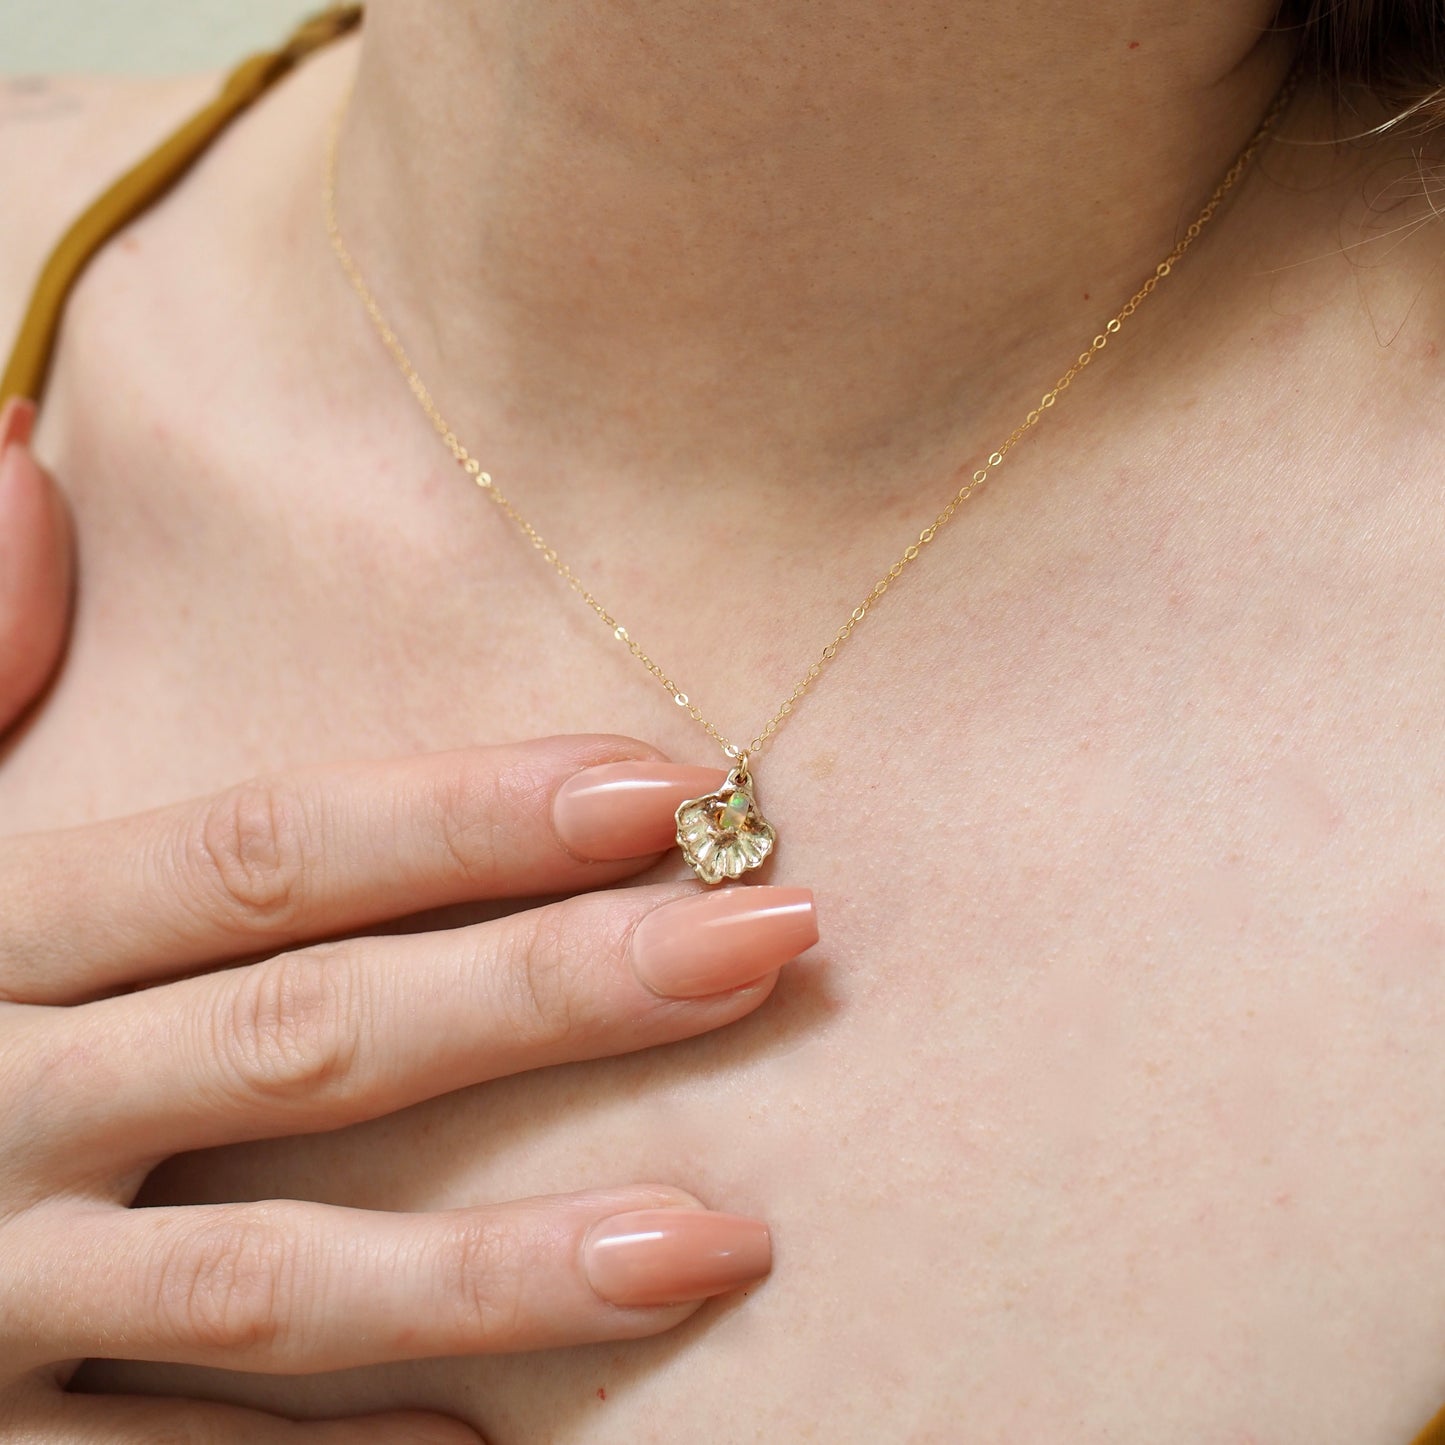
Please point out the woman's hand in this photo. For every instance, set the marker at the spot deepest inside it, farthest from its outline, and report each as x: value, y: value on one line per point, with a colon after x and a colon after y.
x: 116, y: 1051
x: 35, y: 567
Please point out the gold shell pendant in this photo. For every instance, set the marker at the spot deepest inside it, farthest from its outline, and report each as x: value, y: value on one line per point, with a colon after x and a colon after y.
x: 724, y: 834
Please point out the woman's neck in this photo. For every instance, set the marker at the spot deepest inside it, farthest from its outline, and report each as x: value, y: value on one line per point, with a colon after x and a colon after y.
x: 769, y: 239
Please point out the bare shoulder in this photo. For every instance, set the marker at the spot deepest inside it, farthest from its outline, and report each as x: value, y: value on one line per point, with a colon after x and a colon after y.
x: 62, y: 141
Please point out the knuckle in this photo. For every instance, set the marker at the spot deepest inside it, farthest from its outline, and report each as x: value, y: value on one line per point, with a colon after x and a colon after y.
x: 17, y: 882
x: 540, y: 981
x: 488, y: 1263
x: 44, y: 1057
x: 481, y: 809
x: 248, y: 848
x: 223, y: 1285
x: 288, y: 1030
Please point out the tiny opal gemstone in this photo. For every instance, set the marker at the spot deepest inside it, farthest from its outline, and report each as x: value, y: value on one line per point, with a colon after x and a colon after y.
x: 734, y: 813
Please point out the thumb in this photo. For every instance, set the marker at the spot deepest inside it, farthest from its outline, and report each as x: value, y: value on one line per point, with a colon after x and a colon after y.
x: 36, y: 566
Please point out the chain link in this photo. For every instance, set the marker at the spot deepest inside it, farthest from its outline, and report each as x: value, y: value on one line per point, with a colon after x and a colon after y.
x: 483, y: 479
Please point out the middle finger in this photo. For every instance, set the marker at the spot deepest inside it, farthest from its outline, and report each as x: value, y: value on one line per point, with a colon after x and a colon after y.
x: 333, y: 1035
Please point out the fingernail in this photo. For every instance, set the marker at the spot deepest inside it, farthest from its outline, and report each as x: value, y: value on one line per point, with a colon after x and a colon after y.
x: 626, y: 810
x: 713, y: 942
x: 17, y: 422
x: 10, y: 462
x: 673, y: 1256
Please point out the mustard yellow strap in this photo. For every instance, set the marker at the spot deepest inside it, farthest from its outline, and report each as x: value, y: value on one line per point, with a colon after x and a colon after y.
x: 1433, y: 1433
x: 141, y: 187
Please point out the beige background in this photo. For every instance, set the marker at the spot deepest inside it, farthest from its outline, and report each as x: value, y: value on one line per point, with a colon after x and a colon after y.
x: 150, y: 36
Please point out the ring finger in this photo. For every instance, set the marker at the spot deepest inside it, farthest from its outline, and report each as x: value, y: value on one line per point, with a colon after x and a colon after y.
x: 296, y: 1288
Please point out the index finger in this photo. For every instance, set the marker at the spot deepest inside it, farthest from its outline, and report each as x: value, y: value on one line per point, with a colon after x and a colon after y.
x: 310, y: 855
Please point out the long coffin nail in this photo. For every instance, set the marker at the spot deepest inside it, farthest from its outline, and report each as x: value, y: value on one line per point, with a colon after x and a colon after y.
x: 626, y: 810
x: 673, y: 1256
x: 714, y: 942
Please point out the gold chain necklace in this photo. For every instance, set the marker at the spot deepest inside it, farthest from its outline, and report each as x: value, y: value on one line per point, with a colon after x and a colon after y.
x: 724, y: 834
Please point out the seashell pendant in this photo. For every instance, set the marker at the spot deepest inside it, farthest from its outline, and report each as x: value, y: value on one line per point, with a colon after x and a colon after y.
x: 724, y: 834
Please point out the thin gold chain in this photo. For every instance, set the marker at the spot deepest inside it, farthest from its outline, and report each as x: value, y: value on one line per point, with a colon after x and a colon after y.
x: 473, y: 467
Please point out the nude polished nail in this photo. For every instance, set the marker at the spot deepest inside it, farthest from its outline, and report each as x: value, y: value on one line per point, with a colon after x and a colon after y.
x: 673, y: 1256
x: 715, y: 942
x: 17, y: 422
x: 626, y: 810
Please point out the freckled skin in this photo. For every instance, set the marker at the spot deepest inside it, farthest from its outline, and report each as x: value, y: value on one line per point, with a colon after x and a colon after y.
x: 1111, y: 1097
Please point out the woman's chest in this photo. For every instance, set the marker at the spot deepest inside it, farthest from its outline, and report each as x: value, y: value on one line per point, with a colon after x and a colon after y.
x: 1109, y: 1107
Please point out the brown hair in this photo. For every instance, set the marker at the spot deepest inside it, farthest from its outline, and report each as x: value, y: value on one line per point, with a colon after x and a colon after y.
x: 1394, y: 47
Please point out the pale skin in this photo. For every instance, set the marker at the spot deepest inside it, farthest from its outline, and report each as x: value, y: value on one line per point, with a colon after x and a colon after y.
x: 1109, y: 1108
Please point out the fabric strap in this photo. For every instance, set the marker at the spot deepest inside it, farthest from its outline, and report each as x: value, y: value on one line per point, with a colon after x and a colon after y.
x: 1434, y: 1432
x: 142, y: 186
